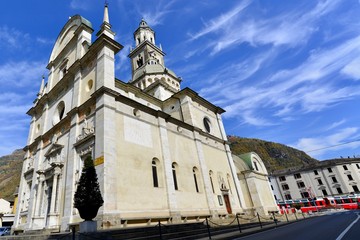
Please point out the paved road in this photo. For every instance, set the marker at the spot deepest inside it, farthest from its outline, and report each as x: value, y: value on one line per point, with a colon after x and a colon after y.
x: 333, y: 226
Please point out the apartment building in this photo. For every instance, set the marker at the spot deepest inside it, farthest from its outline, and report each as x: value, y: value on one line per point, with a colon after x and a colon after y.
x: 325, y: 178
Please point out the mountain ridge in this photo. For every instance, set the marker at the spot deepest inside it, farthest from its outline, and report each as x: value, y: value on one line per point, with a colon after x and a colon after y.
x: 276, y: 156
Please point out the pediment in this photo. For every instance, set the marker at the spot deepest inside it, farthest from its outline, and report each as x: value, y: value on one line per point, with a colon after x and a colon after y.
x: 67, y: 33
x: 54, y: 148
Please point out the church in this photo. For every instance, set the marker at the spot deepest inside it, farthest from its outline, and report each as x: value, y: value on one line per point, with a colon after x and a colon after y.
x: 160, y: 151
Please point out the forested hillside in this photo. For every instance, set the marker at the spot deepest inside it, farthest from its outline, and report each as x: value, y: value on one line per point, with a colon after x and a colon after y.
x: 10, y: 170
x: 275, y: 155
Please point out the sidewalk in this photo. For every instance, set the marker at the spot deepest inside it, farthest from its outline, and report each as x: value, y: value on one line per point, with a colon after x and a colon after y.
x: 245, y: 232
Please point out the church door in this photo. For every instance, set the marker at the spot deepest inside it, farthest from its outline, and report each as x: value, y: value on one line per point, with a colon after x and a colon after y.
x: 227, y: 204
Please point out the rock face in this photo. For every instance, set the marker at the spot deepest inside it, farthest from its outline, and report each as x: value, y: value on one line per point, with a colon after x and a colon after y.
x: 274, y: 155
x: 10, y: 170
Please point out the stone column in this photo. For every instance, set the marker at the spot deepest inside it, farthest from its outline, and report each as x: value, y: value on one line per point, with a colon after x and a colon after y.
x: 54, y: 190
x: 41, y: 179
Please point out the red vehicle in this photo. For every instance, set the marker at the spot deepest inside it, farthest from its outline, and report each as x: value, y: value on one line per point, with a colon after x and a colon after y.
x: 345, y: 202
x: 314, y: 205
x: 286, y: 206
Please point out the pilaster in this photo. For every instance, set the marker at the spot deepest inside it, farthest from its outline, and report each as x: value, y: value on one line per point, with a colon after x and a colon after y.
x: 105, y: 68
x: 165, y: 148
x: 205, y: 174
x: 105, y: 147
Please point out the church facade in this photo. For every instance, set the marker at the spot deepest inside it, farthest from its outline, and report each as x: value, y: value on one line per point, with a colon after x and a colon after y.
x: 160, y: 151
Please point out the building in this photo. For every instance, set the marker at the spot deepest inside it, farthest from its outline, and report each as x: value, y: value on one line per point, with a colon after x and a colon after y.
x: 160, y: 151
x: 325, y: 178
x: 254, y: 183
x: 6, y: 213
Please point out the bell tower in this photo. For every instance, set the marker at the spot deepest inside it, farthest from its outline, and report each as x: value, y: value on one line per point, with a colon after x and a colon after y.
x: 148, y: 67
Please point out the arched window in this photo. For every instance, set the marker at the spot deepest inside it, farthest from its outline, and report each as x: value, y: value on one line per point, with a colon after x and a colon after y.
x: 59, y: 113
x: 154, y: 174
x: 211, y: 181
x: 256, y: 166
x: 207, y: 124
x: 195, y: 179
x: 174, y: 176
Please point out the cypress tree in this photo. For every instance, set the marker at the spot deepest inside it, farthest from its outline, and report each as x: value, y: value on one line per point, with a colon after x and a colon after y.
x: 88, y: 195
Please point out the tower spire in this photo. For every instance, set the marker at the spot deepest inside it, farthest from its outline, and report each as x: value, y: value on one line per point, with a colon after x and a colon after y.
x: 41, y: 87
x: 105, y: 26
x: 106, y: 13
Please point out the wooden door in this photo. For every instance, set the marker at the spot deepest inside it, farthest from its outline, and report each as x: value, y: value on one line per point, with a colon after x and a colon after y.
x: 227, y: 204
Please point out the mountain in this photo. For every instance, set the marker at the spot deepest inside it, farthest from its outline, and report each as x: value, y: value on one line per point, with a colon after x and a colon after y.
x: 275, y: 156
x: 10, y: 171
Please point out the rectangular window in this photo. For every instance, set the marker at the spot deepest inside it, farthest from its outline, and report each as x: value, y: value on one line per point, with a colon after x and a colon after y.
x: 282, y: 178
x: 345, y: 167
x: 330, y: 170
x: 297, y: 175
x: 212, y: 185
x: 334, y: 179
x: 319, y: 181
x: 324, y: 192
x: 304, y: 194
x: 339, y: 190
x: 174, y: 178
x: 155, y: 178
x: 196, y: 184
x: 275, y: 197
x: 285, y: 187
x: 358, y: 166
x: 350, y: 177
x: 316, y: 172
x: 356, y: 189
x: 300, y: 184
x: 287, y: 196
x: 272, y: 188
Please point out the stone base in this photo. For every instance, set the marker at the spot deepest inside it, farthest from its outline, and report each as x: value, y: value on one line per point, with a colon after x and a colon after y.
x: 88, y: 226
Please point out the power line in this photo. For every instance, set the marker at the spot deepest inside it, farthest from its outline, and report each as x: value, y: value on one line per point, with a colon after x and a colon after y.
x: 340, y: 144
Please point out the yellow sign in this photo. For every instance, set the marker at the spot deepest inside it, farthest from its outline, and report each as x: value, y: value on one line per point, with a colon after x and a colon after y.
x: 99, y: 160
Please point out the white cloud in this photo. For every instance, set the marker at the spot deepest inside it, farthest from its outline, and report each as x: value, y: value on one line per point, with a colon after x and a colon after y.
x: 123, y: 65
x: 156, y: 16
x: 291, y: 28
x: 249, y: 117
x: 312, y: 86
x: 335, y: 124
x: 352, y: 69
x: 10, y: 37
x: 22, y: 74
x: 318, y: 146
x: 45, y: 41
x: 79, y: 4
x: 220, y: 21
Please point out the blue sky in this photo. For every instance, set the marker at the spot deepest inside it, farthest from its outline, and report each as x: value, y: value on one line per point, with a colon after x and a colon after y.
x: 285, y: 71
